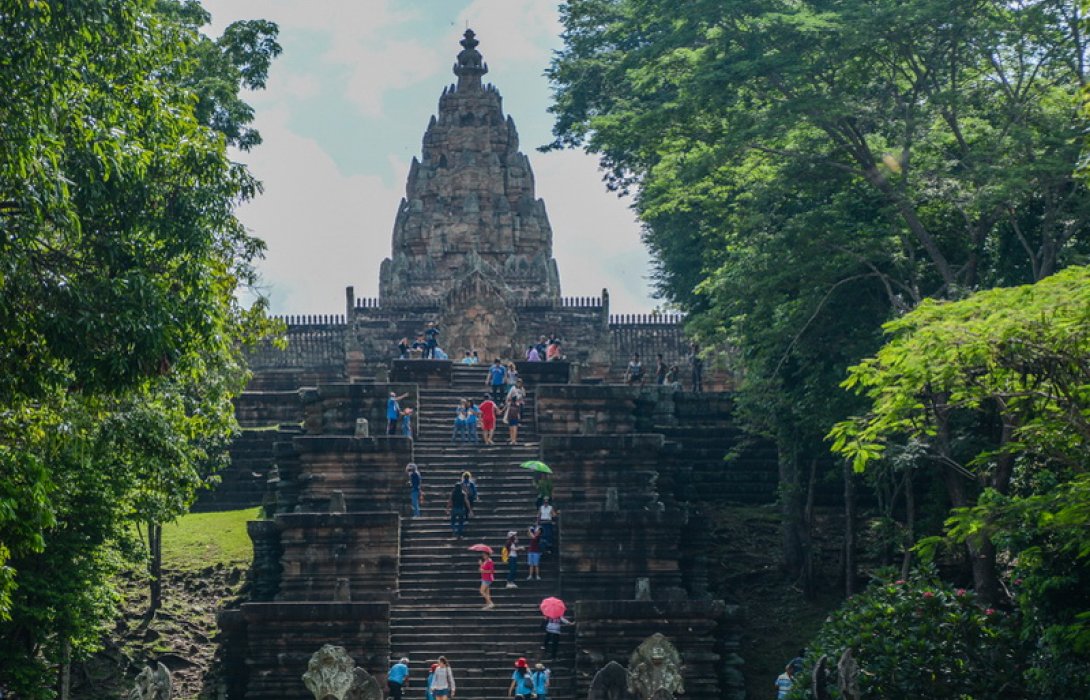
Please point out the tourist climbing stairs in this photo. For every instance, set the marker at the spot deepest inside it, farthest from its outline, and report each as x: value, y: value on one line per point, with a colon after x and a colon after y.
x: 439, y: 610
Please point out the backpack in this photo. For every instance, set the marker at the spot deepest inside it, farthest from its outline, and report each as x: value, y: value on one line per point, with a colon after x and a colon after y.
x: 472, y: 492
x: 504, y: 555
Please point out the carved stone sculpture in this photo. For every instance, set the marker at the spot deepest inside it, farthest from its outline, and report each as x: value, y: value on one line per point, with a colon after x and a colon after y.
x: 654, y: 669
x: 610, y: 683
x: 333, y: 675
x: 153, y: 683
x: 330, y: 673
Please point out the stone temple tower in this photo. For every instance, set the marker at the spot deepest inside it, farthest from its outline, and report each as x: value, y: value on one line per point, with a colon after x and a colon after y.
x: 470, y: 233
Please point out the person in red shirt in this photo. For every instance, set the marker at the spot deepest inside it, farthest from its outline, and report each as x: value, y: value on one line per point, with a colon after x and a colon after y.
x: 488, y: 418
x: 488, y: 575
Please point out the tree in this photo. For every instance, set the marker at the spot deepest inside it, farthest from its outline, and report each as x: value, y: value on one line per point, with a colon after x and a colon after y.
x: 995, y: 389
x: 120, y: 333
x: 901, y: 165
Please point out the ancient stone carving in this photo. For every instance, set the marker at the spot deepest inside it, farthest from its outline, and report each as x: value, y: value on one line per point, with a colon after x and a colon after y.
x: 655, y: 666
x: 330, y: 673
x: 153, y: 683
x: 610, y: 683
x: 331, y: 676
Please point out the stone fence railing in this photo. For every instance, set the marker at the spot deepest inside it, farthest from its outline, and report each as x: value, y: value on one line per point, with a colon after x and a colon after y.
x: 313, y: 341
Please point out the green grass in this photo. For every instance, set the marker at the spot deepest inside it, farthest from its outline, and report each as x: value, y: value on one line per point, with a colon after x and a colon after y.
x: 200, y: 540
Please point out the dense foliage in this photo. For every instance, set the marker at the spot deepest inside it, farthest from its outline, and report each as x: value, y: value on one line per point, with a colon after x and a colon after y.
x: 995, y: 392
x: 808, y: 170
x: 120, y: 331
x: 919, y: 638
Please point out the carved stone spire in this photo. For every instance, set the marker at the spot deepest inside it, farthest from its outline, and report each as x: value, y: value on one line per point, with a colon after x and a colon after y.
x: 469, y: 206
x: 470, y: 66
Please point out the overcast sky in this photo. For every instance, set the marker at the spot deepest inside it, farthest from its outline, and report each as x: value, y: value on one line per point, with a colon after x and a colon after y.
x: 343, y: 115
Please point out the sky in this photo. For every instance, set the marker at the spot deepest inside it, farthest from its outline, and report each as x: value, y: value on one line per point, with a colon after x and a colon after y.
x: 343, y: 114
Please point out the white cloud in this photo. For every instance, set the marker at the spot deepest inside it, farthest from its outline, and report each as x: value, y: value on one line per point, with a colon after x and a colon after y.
x: 324, y: 230
x: 520, y: 30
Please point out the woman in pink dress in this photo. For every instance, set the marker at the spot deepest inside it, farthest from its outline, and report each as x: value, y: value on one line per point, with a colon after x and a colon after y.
x: 488, y: 418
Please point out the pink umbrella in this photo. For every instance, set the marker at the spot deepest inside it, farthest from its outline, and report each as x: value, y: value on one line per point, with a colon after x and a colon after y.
x: 553, y: 607
x: 481, y: 548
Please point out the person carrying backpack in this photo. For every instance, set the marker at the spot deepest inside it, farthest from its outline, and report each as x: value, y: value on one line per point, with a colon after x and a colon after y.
x: 521, y: 684
x: 540, y: 680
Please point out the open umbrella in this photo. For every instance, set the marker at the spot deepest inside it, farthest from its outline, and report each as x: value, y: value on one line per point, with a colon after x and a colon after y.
x: 553, y: 607
x: 481, y: 548
x: 535, y: 466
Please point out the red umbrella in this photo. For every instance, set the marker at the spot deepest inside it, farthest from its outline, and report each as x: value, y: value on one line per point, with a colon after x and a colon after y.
x: 553, y: 607
x: 481, y: 548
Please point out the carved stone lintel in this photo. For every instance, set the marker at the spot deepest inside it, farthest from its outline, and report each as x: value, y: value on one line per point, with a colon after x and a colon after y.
x: 152, y: 684
x: 654, y: 670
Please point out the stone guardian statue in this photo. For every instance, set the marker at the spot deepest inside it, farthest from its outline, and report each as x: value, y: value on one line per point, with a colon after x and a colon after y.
x: 654, y: 670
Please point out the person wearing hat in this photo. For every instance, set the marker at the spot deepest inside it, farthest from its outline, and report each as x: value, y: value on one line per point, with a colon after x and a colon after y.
x: 540, y: 678
x: 521, y: 683
x: 512, y: 547
x: 398, y: 677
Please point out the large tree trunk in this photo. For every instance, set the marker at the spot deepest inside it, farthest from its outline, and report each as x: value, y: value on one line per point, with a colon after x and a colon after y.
x: 791, y: 508
x: 155, y: 567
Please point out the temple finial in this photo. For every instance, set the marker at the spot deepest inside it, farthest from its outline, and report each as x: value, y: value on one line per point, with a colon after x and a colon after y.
x: 470, y: 66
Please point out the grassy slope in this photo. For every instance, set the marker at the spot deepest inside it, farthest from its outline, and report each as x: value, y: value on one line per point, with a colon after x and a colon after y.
x: 205, y: 556
x: 200, y: 540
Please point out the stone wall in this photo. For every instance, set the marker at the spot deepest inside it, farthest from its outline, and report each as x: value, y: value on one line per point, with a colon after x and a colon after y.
x: 369, y: 473
x: 321, y: 552
x: 270, y: 644
x: 260, y: 409
x: 611, y: 630
x: 332, y: 409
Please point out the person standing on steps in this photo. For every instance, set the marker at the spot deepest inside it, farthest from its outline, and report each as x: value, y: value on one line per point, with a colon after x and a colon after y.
x: 696, y: 363
x: 459, y: 509
x: 553, y: 626
x: 496, y: 380
x: 461, y: 421
x: 488, y: 575
x: 540, y: 678
x: 546, y: 518
x: 517, y: 391
x: 472, y: 418
x: 414, y: 487
x: 393, y: 412
x: 428, y: 693
x: 522, y: 685
x: 470, y: 487
x: 512, y: 547
x: 431, y: 335
x: 533, y: 553
x: 660, y: 370
x: 397, y: 678
x: 488, y: 419
x: 442, y: 681
x: 407, y: 422
x: 514, y: 417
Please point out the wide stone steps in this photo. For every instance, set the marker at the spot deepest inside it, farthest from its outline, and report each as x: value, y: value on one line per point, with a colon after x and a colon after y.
x: 438, y: 611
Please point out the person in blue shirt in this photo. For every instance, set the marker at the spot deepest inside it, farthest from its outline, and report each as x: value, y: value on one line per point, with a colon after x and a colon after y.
x: 437, y: 353
x: 784, y: 683
x: 540, y: 679
x: 497, y: 380
x: 431, y: 333
x: 397, y: 678
x: 521, y: 684
x: 428, y: 694
x: 393, y: 412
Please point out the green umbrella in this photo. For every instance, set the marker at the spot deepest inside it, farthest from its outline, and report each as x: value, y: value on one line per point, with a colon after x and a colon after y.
x: 536, y: 466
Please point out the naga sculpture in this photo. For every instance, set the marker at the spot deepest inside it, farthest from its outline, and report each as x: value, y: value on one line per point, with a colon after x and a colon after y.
x: 332, y: 675
x: 654, y: 670
x: 153, y: 683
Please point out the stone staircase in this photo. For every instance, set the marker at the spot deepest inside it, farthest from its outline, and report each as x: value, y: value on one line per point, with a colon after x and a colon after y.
x: 438, y: 611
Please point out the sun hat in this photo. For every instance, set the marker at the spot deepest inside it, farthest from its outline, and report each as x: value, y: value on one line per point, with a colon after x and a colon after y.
x: 521, y: 663
x: 540, y: 667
